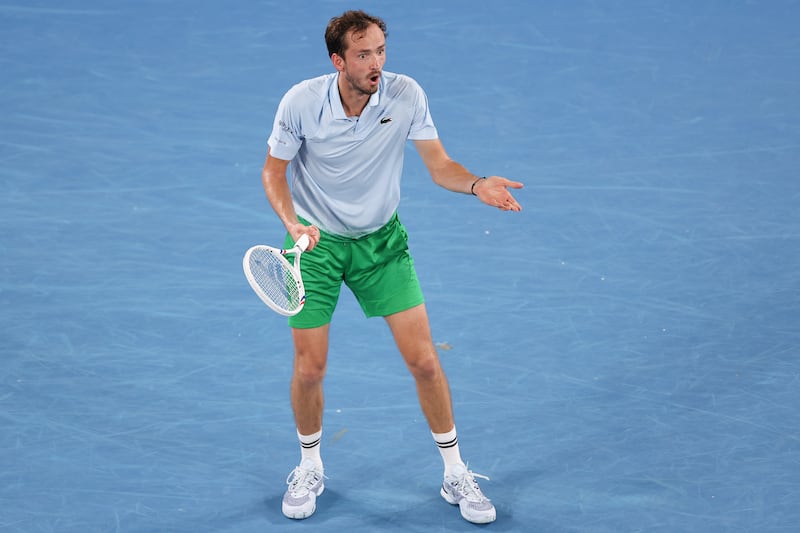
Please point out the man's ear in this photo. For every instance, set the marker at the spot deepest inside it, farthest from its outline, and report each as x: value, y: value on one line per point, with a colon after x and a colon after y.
x: 338, y: 62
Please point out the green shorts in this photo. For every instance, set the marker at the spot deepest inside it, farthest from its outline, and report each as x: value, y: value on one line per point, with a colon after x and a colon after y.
x: 377, y: 268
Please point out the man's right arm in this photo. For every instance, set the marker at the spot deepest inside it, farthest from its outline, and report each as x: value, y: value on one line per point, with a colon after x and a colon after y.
x: 276, y: 186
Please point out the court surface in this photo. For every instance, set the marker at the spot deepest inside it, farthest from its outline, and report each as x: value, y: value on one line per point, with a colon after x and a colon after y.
x: 623, y: 354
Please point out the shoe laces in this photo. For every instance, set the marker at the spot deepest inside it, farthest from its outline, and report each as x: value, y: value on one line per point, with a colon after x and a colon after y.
x: 468, y: 487
x: 300, y: 480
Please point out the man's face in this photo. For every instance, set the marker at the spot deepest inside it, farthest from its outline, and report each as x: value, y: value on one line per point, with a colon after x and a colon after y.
x: 363, y: 60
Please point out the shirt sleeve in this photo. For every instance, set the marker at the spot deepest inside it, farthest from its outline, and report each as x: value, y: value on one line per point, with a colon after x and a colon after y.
x: 286, y: 137
x: 422, y: 126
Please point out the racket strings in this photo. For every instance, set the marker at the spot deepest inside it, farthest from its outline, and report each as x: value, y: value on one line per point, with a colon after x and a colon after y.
x: 275, y: 279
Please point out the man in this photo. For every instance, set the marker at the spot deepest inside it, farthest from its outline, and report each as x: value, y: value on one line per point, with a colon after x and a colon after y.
x: 344, y: 134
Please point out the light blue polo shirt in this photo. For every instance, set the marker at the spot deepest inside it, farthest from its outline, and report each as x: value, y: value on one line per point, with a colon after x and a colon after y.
x: 345, y: 171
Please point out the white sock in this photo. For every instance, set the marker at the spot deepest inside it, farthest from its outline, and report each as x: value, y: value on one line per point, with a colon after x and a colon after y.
x: 310, y: 447
x: 448, y: 447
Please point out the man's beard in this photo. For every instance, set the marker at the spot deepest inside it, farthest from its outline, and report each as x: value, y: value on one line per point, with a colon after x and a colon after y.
x: 366, y: 90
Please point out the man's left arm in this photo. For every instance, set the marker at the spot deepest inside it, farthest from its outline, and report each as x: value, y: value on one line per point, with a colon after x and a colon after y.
x: 453, y: 176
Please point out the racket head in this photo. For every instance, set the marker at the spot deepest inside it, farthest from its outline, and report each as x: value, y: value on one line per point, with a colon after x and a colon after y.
x: 276, y: 281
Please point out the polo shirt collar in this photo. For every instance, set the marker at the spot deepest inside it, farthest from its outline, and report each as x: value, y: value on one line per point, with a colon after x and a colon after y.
x: 336, y: 100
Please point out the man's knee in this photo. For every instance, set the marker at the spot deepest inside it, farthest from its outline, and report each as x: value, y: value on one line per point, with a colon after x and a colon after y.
x: 309, y: 370
x: 310, y: 355
x: 425, y: 366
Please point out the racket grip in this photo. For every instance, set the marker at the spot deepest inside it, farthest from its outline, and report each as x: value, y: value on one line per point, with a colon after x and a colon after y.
x: 302, y: 242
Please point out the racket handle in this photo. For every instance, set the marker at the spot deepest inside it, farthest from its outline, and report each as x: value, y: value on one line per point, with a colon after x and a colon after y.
x: 302, y: 242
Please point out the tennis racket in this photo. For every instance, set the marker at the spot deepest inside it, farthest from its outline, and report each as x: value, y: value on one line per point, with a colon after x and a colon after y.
x: 276, y: 281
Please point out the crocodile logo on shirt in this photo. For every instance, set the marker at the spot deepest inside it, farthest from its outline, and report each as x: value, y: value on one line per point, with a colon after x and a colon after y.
x: 386, y: 120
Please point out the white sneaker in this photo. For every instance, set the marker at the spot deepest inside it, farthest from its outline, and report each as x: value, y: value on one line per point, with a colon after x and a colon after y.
x: 305, y: 484
x: 460, y: 488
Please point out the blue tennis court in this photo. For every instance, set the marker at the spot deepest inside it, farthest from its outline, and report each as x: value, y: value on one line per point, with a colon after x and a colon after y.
x: 623, y: 354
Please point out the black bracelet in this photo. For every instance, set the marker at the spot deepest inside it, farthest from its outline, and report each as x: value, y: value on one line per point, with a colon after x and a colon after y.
x: 472, y: 189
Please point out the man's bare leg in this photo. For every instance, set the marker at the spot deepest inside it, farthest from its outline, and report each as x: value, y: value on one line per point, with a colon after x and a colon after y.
x: 310, y: 363
x: 412, y: 334
x: 307, y: 480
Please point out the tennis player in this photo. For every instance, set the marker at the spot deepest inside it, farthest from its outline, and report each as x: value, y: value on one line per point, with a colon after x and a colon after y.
x: 339, y: 140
